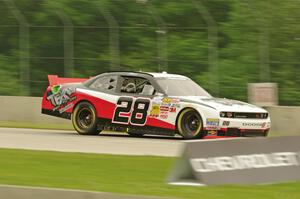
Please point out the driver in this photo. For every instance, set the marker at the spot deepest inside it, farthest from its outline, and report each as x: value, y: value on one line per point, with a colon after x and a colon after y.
x: 130, y: 88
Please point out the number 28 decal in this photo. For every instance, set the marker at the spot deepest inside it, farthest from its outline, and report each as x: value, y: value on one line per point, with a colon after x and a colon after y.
x: 131, y: 111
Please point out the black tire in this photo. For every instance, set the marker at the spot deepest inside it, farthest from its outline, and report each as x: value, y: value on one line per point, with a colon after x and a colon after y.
x: 84, y: 119
x: 190, y: 124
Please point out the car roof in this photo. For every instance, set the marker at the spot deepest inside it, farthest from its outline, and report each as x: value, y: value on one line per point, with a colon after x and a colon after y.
x: 153, y: 74
x: 167, y: 75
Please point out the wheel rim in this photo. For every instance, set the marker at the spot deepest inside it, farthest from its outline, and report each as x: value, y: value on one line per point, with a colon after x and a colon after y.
x: 191, y: 123
x: 85, y: 118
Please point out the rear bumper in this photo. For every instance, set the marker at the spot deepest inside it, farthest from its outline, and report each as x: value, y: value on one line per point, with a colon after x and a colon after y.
x: 64, y: 115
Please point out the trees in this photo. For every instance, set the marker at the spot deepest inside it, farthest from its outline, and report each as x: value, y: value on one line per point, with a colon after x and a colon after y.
x: 252, y: 35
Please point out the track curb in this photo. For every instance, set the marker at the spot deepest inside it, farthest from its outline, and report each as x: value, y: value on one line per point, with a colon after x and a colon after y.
x: 26, y: 192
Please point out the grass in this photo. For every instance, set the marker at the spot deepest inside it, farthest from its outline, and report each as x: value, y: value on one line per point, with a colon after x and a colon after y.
x: 140, y: 175
x: 30, y: 125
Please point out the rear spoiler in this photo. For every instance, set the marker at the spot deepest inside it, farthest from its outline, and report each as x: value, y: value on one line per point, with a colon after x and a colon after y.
x: 54, y: 80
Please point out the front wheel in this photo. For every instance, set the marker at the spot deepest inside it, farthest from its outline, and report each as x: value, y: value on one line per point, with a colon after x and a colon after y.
x: 84, y: 119
x: 189, y: 124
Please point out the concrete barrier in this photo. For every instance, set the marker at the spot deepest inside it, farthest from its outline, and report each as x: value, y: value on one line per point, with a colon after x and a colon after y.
x: 285, y: 119
x: 238, y: 161
x: 21, y: 192
x: 25, y: 109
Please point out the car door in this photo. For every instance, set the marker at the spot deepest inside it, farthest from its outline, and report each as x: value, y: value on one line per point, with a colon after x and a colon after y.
x: 135, y: 101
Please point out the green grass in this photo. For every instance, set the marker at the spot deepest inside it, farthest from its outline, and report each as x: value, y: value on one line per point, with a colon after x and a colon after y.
x: 30, y: 125
x: 138, y: 175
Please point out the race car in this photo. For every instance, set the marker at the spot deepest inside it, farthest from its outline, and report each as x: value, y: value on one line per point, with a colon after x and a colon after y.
x: 141, y: 103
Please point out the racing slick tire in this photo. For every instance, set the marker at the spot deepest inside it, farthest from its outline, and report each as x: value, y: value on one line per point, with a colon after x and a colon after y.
x: 190, y: 124
x: 84, y: 119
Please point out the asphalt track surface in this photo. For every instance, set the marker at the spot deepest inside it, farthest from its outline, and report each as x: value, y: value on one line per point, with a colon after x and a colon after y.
x: 105, y: 143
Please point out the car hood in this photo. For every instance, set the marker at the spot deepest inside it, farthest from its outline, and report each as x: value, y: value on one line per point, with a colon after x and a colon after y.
x: 223, y: 104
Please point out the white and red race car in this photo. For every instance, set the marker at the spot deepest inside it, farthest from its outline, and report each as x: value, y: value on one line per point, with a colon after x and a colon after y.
x: 150, y: 103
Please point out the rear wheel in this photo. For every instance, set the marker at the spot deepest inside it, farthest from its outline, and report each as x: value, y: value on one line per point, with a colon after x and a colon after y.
x: 84, y: 119
x: 189, y: 124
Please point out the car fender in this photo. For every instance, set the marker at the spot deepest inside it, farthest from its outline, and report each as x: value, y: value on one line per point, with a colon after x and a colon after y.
x: 205, y: 112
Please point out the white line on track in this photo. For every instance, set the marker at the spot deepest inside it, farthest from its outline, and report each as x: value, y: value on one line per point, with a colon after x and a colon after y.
x: 70, y: 141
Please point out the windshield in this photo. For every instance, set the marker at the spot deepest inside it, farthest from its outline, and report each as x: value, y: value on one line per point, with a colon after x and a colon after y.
x: 181, y: 87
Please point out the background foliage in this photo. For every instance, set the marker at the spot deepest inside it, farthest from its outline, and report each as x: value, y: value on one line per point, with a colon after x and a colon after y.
x: 257, y: 41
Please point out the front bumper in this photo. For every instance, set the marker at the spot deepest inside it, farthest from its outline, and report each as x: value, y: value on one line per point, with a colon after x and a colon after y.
x: 236, y: 132
x: 239, y: 127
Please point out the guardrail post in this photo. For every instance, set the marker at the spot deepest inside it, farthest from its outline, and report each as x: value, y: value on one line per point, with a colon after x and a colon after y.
x: 24, y: 46
x: 212, y: 46
x: 68, y: 44
x: 113, y: 36
x: 264, y: 51
x: 162, y: 40
x: 161, y: 33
